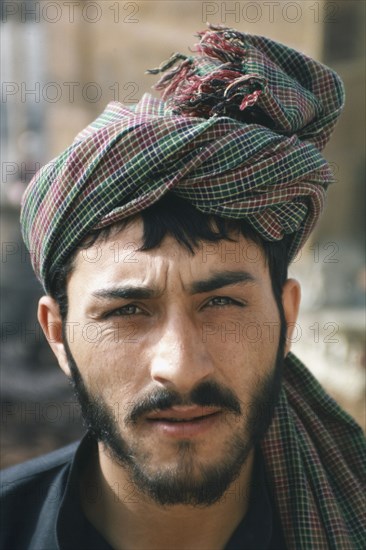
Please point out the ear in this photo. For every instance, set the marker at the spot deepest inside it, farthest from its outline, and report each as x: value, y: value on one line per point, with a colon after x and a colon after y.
x: 291, y: 296
x: 50, y: 320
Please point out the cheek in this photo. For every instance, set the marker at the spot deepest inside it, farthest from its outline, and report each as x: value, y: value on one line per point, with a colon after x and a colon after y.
x: 245, y: 351
x: 107, y: 359
x: 252, y: 335
x: 260, y: 337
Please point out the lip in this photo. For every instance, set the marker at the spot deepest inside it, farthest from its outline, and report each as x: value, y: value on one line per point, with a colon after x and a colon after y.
x: 197, y: 421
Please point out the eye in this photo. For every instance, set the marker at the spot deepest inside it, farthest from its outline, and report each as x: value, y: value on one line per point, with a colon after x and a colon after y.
x: 124, y: 311
x: 222, y: 301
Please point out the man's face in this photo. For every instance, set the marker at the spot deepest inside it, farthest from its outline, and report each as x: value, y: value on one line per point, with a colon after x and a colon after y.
x: 176, y: 359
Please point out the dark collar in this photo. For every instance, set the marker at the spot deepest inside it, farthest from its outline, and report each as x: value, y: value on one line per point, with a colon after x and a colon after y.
x: 255, y: 530
x: 73, y: 530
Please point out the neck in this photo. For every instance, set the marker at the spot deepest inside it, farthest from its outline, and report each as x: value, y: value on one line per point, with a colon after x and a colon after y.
x: 128, y: 519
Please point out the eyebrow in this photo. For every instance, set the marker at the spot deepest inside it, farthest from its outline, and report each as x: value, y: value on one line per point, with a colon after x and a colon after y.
x: 221, y: 279
x: 215, y: 281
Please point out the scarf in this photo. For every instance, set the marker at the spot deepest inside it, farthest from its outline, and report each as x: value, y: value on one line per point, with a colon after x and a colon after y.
x: 315, y: 458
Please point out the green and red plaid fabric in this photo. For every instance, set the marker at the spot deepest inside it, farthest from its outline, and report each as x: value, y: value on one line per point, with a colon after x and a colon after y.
x: 315, y: 458
x: 238, y: 135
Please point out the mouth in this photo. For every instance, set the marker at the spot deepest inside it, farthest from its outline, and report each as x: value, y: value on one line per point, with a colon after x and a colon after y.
x: 183, y: 422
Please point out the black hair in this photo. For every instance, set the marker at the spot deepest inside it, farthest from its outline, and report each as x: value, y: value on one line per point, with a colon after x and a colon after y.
x: 177, y: 217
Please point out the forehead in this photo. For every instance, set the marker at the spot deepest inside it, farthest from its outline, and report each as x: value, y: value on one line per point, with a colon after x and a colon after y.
x: 118, y: 258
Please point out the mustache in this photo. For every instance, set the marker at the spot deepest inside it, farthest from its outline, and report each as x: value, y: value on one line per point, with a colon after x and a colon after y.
x: 207, y: 394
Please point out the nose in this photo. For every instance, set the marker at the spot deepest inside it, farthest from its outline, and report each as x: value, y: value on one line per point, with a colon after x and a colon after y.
x: 180, y: 359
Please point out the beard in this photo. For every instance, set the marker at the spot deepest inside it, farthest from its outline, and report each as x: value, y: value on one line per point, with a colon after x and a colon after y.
x: 189, y: 481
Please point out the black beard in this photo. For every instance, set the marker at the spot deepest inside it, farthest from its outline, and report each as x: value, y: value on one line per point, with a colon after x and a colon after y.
x: 181, y: 486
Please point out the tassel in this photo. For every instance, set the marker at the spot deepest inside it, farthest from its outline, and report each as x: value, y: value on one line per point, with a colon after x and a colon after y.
x: 213, y: 83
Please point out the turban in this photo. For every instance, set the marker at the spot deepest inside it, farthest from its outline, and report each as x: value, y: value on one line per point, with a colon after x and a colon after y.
x: 238, y: 133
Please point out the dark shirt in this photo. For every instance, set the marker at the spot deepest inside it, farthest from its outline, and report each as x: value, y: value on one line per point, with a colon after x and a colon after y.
x: 41, y: 509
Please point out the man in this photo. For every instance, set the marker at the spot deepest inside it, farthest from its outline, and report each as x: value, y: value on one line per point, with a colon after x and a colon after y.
x: 162, y: 237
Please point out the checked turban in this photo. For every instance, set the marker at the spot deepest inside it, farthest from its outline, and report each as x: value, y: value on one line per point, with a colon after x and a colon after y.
x: 238, y: 133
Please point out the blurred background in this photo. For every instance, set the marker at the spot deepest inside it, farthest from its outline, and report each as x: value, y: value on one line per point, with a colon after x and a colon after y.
x: 61, y: 63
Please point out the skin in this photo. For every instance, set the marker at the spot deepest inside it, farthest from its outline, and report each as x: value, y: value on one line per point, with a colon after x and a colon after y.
x: 178, y: 342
